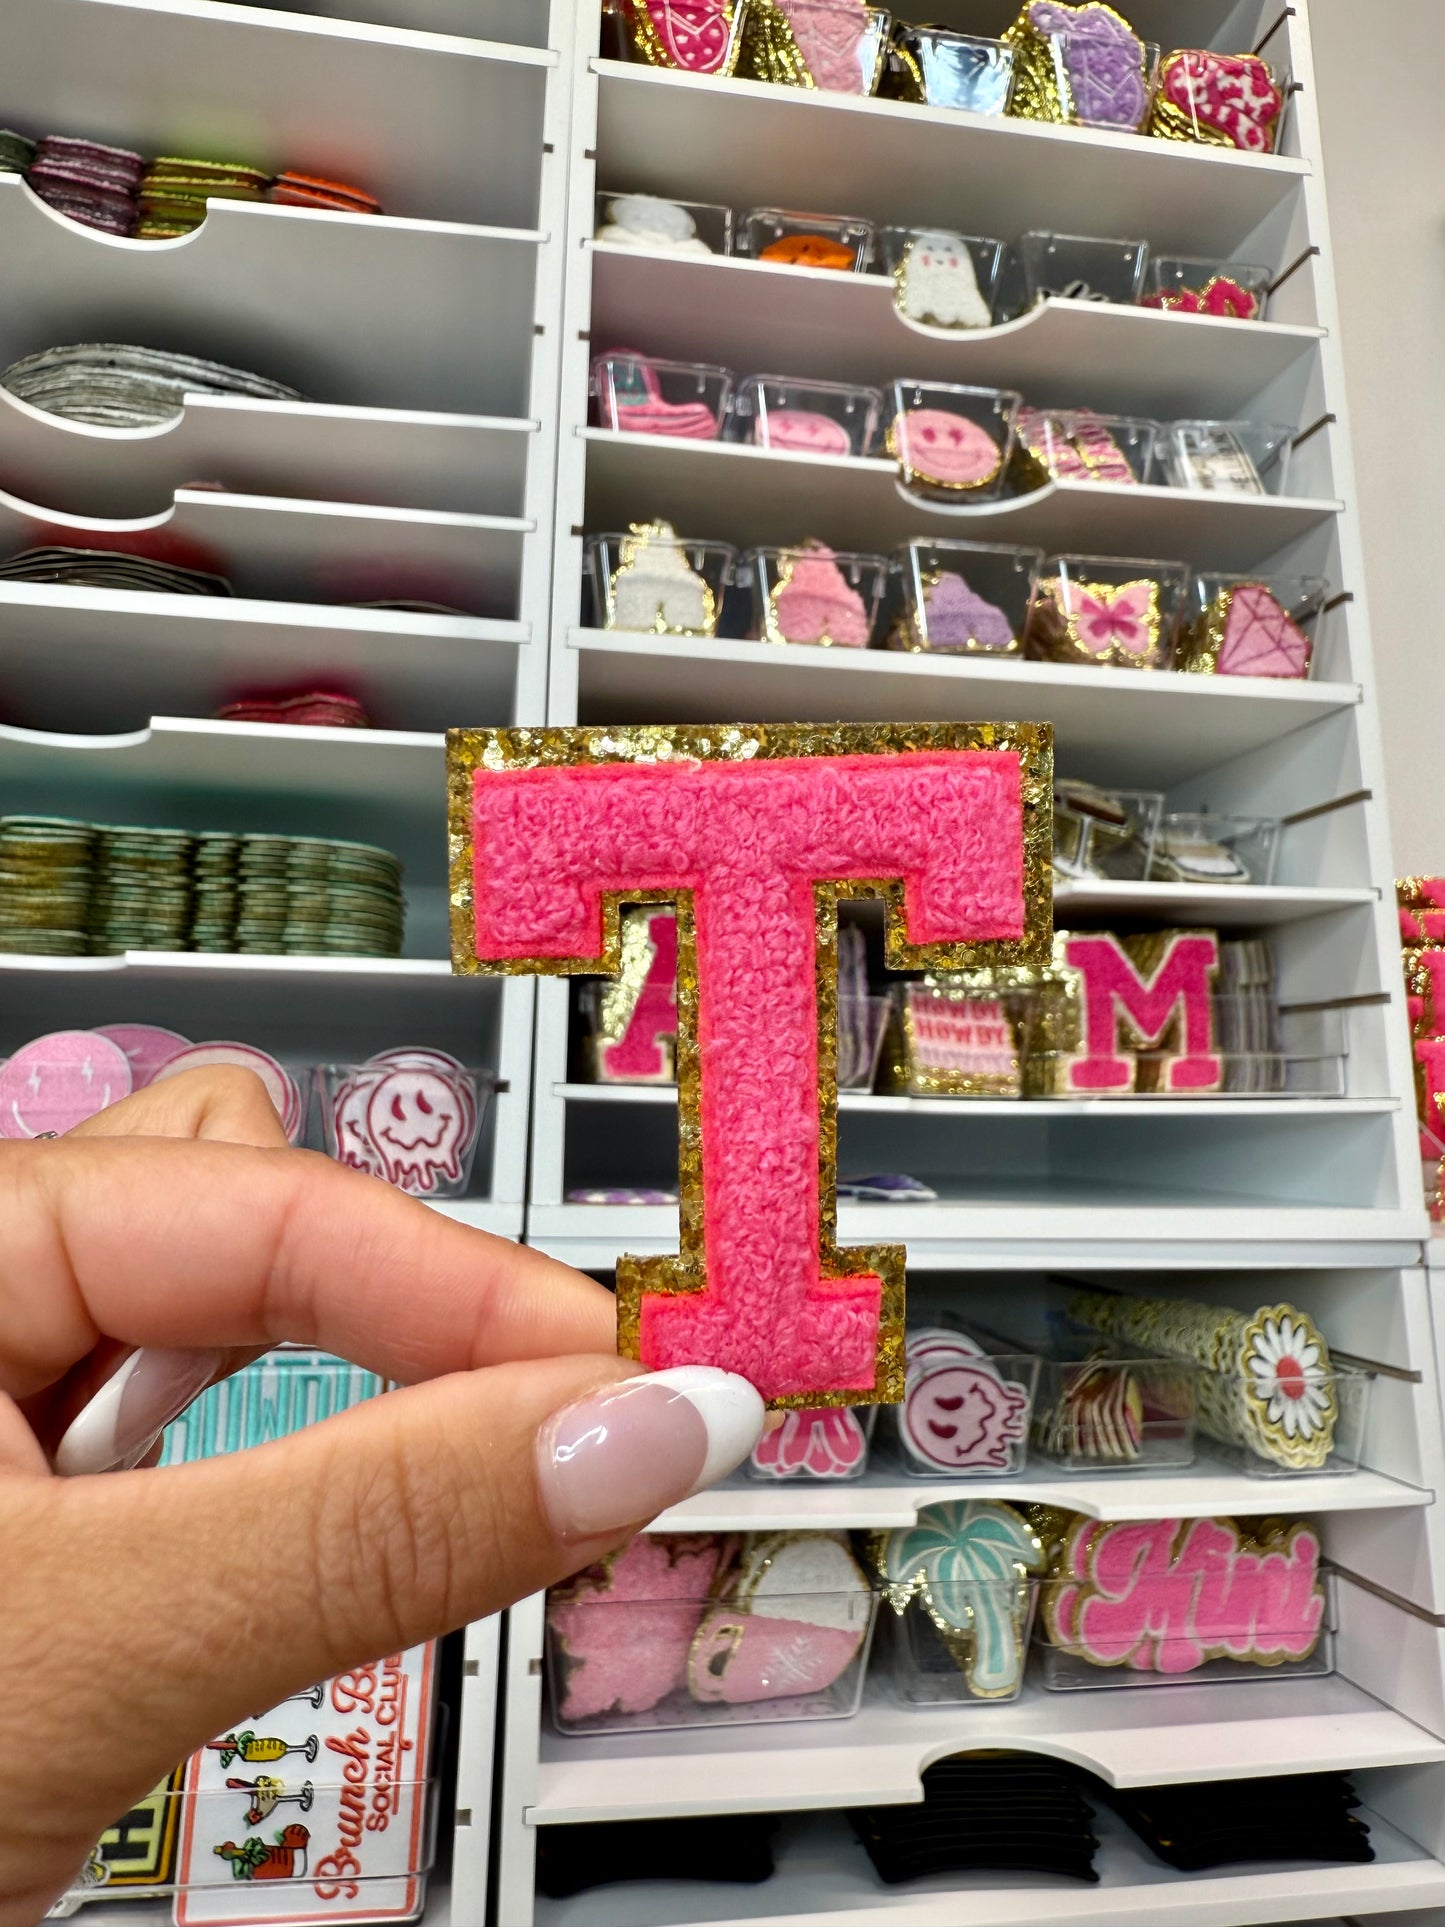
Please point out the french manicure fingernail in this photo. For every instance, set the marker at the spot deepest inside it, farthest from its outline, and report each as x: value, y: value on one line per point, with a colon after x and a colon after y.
x: 627, y: 1453
x: 131, y: 1410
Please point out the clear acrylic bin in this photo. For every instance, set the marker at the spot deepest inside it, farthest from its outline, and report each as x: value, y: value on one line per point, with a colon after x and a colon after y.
x: 1195, y: 1632
x: 837, y: 242
x: 963, y: 598
x: 1100, y: 1414
x: 1106, y: 612
x: 641, y: 395
x: 1259, y: 625
x: 1077, y: 445
x: 701, y: 1641
x: 814, y: 594
x: 862, y: 1024
x: 1108, y: 86
x: 828, y: 1445
x: 966, y: 1415
x: 1104, y: 833
x: 942, y: 279
x: 1264, y: 1424
x: 972, y: 1647
x: 1233, y: 290
x: 652, y: 582
x: 410, y: 1117
x: 1211, y: 851
x: 952, y: 441
x: 1223, y: 458
x: 957, y: 1041
x: 804, y: 417
x: 934, y: 67
x: 664, y: 35
x: 658, y: 226
x: 1260, y: 1051
x: 1082, y: 267
x: 1234, y: 101
x: 809, y: 43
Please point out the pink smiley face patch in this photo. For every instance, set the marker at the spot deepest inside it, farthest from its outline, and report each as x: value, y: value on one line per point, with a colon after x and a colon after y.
x: 417, y: 1128
x: 943, y: 449
x: 802, y: 431
x: 58, y: 1081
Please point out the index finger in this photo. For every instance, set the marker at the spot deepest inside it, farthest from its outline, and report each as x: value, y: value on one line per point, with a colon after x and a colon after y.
x: 180, y: 1244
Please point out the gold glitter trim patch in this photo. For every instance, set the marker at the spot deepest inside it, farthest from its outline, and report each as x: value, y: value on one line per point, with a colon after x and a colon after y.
x: 512, y: 749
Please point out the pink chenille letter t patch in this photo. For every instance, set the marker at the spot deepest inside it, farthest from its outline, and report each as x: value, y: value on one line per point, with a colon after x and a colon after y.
x: 754, y: 833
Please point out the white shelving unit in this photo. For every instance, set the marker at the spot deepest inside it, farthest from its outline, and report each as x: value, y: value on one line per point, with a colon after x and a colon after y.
x: 1240, y: 1202
x: 420, y: 468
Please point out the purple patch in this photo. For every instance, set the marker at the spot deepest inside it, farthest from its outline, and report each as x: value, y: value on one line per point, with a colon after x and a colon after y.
x: 1102, y: 60
x: 957, y: 617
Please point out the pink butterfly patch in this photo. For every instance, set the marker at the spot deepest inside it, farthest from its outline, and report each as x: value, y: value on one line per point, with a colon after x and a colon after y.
x: 1126, y: 618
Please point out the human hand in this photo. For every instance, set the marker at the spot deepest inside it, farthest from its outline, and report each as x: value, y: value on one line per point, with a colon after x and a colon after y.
x: 150, y: 1252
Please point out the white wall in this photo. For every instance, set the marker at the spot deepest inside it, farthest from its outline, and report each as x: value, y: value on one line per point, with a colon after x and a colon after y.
x: 1381, y: 72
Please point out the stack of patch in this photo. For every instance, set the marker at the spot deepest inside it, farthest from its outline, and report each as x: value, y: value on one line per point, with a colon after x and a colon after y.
x: 314, y: 897
x: 92, y: 183
x: 174, y: 193
x: 17, y: 152
x: 215, y: 892
x: 309, y: 190
x: 111, y: 384
x: 1006, y: 1812
x: 109, y: 569
x: 45, y: 871
x: 140, y: 894
x: 315, y: 709
x: 1221, y: 1823
x: 343, y: 899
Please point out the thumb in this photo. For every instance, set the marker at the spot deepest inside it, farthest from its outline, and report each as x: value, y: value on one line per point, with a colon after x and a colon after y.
x: 199, y: 1595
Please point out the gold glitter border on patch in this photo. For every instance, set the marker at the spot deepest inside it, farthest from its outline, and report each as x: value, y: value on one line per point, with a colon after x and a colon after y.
x: 470, y: 750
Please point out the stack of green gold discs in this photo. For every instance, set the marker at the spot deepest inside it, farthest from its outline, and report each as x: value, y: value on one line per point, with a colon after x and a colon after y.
x: 343, y: 900
x: 262, y: 902
x: 45, y: 875
x: 140, y: 892
x: 215, y: 892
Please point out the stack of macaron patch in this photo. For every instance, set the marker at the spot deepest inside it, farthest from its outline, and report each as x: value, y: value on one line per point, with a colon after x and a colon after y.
x: 94, y: 184
x: 309, y: 190
x: 112, y: 384
x: 175, y: 191
x: 161, y: 199
x: 109, y: 569
x: 17, y: 151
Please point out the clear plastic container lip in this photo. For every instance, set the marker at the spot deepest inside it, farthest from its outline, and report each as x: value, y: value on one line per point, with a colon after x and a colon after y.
x: 919, y: 51
x: 422, y: 1139
x: 872, y: 45
x: 840, y: 609
x: 971, y: 475
x: 1050, y: 436
x: 1149, y: 69
x: 1123, y: 260
x: 774, y: 228
x: 1192, y: 1636
x: 686, y: 592
x: 712, y: 221
x: 649, y: 395
x: 760, y: 400
x: 1265, y: 446
x: 644, y: 37
x: 737, y: 1667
